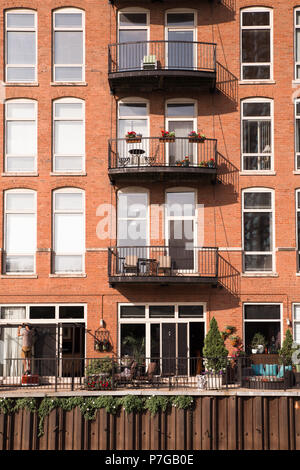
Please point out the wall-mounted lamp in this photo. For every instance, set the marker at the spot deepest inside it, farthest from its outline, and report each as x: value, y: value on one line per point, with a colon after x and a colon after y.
x: 102, y: 323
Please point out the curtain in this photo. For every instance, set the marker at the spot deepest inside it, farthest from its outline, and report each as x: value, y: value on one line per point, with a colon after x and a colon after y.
x: 10, y: 343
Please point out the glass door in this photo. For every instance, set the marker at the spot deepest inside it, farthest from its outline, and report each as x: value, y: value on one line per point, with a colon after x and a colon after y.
x: 181, y: 118
x: 133, y: 36
x: 180, y: 36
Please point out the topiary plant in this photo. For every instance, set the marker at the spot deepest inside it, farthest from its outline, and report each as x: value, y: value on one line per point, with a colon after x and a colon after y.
x: 287, y: 350
x: 214, y: 350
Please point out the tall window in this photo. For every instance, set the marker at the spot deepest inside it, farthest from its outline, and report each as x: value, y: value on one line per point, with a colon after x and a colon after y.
x: 133, y: 116
x: 266, y: 320
x: 20, y: 136
x: 69, y: 231
x: 297, y: 132
x: 68, y: 27
x: 257, y: 130
x: 19, y: 231
x: 133, y: 28
x: 180, y: 26
x: 296, y: 323
x: 69, y: 135
x: 21, y: 55
x: 298, y: 225
x: 297, y: 44
x: 181, y: 117
x: 258, y: 235
x: 132, y: 217
x: 256, y: 39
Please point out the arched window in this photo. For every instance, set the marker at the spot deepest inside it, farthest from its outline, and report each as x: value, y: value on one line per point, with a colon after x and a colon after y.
x: 258, y: 230
x: 21, y: 46
x: 68, y: 47
x: 256, y: 44
x: 133, y: 27
x: 19, y: 231
x: 68, y: 135
x: 20, y: 136
x: 257, y: 134
x: 68, y: 230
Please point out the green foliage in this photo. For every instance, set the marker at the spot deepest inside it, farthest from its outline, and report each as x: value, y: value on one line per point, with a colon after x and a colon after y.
x: 155, y: 403
x: 100, y: 366
x: 287, y: 350
x: 182, y: 402
x: 214, y: 350
x: 131, y: 403
x: 137, y: 347
x: 258, y: 339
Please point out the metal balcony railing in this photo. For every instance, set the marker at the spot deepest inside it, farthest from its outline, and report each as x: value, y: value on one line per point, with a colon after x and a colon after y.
x: 155, y: 152
x: 158, y: 262
x: 161, y: 55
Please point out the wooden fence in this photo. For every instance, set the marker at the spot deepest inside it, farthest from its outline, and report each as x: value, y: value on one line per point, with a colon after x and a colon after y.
x: 214, y: 423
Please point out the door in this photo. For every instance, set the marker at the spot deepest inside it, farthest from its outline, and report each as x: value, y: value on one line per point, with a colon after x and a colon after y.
x: 181, y: 148
x: 168, y: 348
x: 45, y: 350
x: 133, y: 34
x: 180, y: 52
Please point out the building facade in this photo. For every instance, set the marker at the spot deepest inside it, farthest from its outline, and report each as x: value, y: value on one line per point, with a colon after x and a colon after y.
x: 113, y: 230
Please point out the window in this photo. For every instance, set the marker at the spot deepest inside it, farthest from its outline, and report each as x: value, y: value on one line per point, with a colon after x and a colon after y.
x: 69, y: 135
x: 133, y: 116
x: 180, y: 37
x: 134, y: 29
x: 69, y: 231
x: 258, y: 235
x: 21, y: 46
x: 297, y: 132
x: 257, y: 134
x: 20, y: 136
x: 296, y: 323
x: 132, y: 218
x: 170, y: 335
x: 266, y: 320
x: 181, y: 117
x: 297, y: 44
x: 256, y: 40
x: 68, y: 27
x: 20, y: 231
x: 298, y: 226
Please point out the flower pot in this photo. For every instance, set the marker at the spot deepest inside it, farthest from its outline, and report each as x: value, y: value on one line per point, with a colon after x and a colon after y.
x: 214, y: 381
x: 167, y: 139
x: 260, y: 348
x: 254, y: 351
x: 198, y: 140
x: 133, y: 140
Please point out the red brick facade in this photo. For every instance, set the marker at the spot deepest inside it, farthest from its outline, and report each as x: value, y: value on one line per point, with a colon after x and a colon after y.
x: 218, y: 116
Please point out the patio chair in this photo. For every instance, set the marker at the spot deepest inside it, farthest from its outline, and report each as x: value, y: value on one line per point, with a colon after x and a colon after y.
x: 125, y: 377
x: 130, y: 264
x: 149, y: 62
x: 165, y: 264
x: 148, y: 378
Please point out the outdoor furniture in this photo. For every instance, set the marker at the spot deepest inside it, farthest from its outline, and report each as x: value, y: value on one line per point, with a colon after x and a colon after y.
x: 147, y: 266
x: 148, y: 378
x: 136, y: 155
x: 130, y: 264
x: 149, y: 62
x: 127, y: 375
x: 165, y: 264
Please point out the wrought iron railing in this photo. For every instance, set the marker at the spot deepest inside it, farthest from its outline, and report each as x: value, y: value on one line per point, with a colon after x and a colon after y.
x: 155, y: 152
x: 163, y: 261
x: 161, y: 55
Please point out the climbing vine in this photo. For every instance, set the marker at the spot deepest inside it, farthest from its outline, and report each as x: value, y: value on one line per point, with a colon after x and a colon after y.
x: 90, y: 405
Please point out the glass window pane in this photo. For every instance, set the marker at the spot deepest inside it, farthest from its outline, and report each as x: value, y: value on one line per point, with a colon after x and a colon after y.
x: 257, y: 18
x: 186, y: 311
x: 256, y: 109
x: 21, y: 138
x: 254, y: 72
x: 20, y: 20
x: 21, y: 48
x: 20, y: 233
x: 140, y: 126
x: 181, y: 204
x: 68, y: 20
x: 20, y: 74
x: 19, y: 264
x: 68, y: 163
x: 298, y: 17
x: 69, y: 138
x: 68, y: 110
x: 180, y: 19
x: 132, y: 311
x: 180, y: 110
x: 161, y: 311
x: 132, y: 109
x: 298, y: 44
x: 40, y: 312
x: 69, y: 233
x: 258, y: 263
x: 68, y: 201
x: 257, y: 231
x: 133, y: 19
x: 256, y: 46
x: 13, y: 313
x: 132, y: 232
x: 20, y: 110
x: 20, y: 164
x: 20, y: 202
x: 71, y: 311
x: 68, y: 264
x: 132, y: 205
x: 258, y: 200
x: 262, y: 312
x: 133, y: 341
x: 68, y: 74
x: 297, y: 312
x: 68, y: 47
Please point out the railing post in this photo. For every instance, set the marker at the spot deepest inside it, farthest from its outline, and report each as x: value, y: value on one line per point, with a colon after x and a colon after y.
x: 113, y: 374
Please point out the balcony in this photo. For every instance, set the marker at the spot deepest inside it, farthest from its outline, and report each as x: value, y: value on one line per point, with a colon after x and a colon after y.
x: 154, y: 158
x: 160, y: 65
x: 162, y: 265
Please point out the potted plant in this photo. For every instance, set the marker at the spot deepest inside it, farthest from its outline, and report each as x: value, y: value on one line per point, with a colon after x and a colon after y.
x: 186, y: 161
x: 215, y: 356
x: 133, y: 137
x: 196, y: 137
x: 98, y: 373
x: 258, y: 343
x: 286, y: 356
x: 203, y: 164
x: 211, y: 163
x: 167, y: 136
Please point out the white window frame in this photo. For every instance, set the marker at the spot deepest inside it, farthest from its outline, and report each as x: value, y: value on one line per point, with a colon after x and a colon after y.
x: 6, y: 212
x: 272, y: 211
x: 297, y: 118
x: 7, y: 155
x: 134, y: 190
x: 64, y: 29
x: 270, y: 27
x: 15, y: 29
x: 81, y: 119
x: 294, y: 321
x: 264, y: 320
x: 134, y: 100
x: 134, y: 10
x: 179, y: 28
x: 258, y: 118
x: 68, y: 190
x: 296, y: 27
x: 297, y: 238
x: 147, y: 321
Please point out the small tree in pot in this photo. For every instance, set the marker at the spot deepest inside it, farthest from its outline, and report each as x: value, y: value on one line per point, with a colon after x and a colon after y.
x: 215, y: 355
